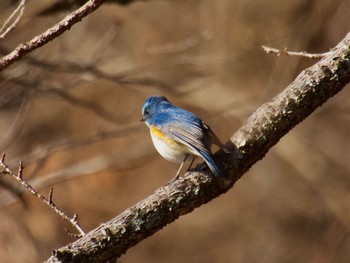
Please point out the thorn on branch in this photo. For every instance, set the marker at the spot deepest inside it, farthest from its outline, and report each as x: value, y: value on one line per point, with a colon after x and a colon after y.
x: 20, y: 170
x: 75, y: 218
x: 3, y: 158
x: 50, y: 196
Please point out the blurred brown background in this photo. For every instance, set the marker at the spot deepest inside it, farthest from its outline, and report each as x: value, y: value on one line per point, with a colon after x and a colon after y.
x: 71, y: 112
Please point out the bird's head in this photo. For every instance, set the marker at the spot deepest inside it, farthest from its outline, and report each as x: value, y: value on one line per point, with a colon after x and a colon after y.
x: 150, y: 107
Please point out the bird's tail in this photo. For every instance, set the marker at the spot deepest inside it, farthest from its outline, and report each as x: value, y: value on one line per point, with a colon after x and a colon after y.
x: 212, y: 165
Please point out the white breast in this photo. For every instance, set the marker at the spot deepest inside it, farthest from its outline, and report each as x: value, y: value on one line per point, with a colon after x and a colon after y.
x: 170, y: 150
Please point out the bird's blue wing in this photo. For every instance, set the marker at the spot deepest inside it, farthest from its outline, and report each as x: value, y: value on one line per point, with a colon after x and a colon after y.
x: 191, y: 134
x: 189, y: 130
x: 185, y: 129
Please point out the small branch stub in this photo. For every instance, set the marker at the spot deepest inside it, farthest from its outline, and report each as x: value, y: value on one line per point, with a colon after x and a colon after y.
x: 50, y: 196
x: 20, y: 170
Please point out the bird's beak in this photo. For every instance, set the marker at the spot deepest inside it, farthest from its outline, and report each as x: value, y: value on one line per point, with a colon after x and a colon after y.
x: 143, y: 119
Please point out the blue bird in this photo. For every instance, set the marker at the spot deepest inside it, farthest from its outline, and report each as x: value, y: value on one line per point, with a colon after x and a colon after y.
x: 177, y: 133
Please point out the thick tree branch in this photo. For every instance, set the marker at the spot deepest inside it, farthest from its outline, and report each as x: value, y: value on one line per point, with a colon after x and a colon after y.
x: 50, y: 34
x: 263, y: 129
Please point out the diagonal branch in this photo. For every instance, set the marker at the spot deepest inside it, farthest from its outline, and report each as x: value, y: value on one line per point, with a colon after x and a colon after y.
x: 264, y: 129
x: 50, y: 34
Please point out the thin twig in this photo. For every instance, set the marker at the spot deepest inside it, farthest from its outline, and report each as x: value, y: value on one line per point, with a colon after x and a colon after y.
x: 284, y: 51
x: 50, y: 34
x: 15, y: 23
x: 48, y: 201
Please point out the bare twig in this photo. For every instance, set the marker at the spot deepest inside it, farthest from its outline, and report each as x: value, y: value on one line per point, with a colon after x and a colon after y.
x: 19, y: 13
x: 48, y: 201
x: 284, y: 51
x: 50, y: 34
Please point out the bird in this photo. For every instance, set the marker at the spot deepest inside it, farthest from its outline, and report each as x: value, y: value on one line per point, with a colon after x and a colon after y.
x: 178, y: 134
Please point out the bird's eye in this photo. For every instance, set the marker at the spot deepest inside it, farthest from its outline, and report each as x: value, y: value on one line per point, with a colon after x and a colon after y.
x: 146, y: 112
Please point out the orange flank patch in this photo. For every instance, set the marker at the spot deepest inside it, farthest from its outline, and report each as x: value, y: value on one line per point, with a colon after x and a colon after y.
x: 158, y: 133
x: 171, y: 150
